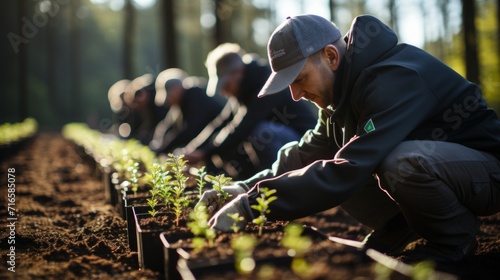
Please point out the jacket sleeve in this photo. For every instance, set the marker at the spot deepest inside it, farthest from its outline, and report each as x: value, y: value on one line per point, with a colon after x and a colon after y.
x: 194, y: 119
x: 242, y: 125
x: 394, y: 102
x: 315, y: 144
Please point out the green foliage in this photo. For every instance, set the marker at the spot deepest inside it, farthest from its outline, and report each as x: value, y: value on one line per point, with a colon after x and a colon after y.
x: 126, y: 157
x: 294, y: 240
x: 168, y: 184
x: 200, y: 181
x: 243, y: 246
x: 199, y: 225
x: 134, y: 175
x: 266, y: 197
x: 160, y: 186
x: 13, y: 132
x: 236, y: 218
x: 424, y: 271
x: 198, y: 243
x: 125, y: 154
x: 297, y: 246
x: 218, y: 182
x: 489, y: 58
x: 152, y: 202
x: 381, y: 272
x: 179, y: 200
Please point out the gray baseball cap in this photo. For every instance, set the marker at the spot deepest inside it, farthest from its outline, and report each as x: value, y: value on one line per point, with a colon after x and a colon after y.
x: 289, y: 46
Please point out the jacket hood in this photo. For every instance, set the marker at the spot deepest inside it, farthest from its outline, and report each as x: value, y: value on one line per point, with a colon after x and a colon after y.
x: 368, y: 40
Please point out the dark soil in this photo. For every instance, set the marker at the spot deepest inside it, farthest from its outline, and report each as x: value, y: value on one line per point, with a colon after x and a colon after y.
x: 66, y: 230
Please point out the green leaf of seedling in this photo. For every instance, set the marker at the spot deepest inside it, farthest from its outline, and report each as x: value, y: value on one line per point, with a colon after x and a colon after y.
x: 271, y: 199
x: 198, y: 243
x: 152, y: 212
x: 259, y: 220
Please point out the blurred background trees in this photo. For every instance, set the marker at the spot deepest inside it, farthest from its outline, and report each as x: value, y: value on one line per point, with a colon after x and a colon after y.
x: 61, y: 56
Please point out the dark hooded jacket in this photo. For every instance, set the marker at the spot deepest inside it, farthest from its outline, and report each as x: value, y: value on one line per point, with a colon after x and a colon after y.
x: 389, y: 93
x: 197, y: 110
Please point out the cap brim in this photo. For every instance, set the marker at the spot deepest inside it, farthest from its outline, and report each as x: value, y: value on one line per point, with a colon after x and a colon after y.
x: 160, y: 97
x: 281, y: 79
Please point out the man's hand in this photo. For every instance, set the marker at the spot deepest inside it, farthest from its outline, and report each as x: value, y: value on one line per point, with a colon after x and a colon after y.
x: 239, y: 205
x: 211, y: 197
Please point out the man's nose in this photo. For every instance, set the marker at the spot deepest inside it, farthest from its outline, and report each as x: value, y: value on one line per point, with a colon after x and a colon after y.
x: 296, y: 92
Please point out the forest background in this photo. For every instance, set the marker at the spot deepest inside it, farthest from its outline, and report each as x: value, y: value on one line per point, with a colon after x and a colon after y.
x: 60, y: 57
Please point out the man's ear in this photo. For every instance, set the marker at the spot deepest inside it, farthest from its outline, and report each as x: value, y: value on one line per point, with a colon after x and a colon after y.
x: 333, y: 56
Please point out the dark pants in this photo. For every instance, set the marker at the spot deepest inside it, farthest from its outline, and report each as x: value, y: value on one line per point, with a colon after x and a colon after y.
x: 267, y: 138
x: 440, y: 188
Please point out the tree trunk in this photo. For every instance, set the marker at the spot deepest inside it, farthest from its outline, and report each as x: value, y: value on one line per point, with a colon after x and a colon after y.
x: 470, y: 41
x: 129, y: 39
x: 445, y: 36
x: 23, y: 64
x: 51, y: 68
x: 168, y: 35
x: 75, y: 65
x: 332, y: 6
x: 498, y: 29
x: 422, y: 6
x: 223, y: 13
x: 394, y: 16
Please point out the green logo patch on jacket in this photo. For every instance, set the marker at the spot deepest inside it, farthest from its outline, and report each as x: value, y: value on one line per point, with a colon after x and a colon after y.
x: 369, y: 126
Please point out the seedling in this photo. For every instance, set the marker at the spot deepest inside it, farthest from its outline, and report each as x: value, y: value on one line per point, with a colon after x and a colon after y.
x: 109, y: 150
x: 12, y: 132
x: 236, y: 218
x: 266, y: 197
x: 134, y: 176
x: 178, y: 198
x: 160, y: 185
x: 152, y: 202
x: 243, y: 247
x: 294, y: 241
x: 200, y: 181
x: 198, y: 243
x: 218, y: 182
x: 122, y: 160
x: 424, y: 270
x: 199, y: 226
x: 297, y: 246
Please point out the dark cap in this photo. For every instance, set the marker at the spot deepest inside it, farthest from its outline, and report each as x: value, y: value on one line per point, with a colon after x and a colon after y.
x: 170, y: 74
x: 135, y: 85
x: 115, y: 94
x: 290, y: 45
